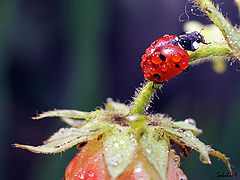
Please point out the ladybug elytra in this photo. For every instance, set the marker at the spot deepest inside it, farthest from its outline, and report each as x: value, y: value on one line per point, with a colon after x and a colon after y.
x: 167, y: 56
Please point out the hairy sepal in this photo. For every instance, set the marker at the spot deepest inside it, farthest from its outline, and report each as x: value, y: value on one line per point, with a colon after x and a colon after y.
x: 66, y: 138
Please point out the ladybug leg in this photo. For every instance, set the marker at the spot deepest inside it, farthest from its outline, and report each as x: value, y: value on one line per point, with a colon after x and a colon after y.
x: 186, y: 70
x: 153, y: 86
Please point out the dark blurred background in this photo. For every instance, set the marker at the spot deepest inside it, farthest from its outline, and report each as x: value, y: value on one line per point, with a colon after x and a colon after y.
x: 74, y: 54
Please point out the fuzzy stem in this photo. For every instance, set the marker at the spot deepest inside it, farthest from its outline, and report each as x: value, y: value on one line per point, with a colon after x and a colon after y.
x: 229, y: 32
x: 205, y: 52
x: 144, y: 98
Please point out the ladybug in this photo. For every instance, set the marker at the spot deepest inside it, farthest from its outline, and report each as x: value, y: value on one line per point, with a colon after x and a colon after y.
x: 167, y: 56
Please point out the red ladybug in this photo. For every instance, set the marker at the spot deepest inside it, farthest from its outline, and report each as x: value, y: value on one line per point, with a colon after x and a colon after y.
x: 167, y: 56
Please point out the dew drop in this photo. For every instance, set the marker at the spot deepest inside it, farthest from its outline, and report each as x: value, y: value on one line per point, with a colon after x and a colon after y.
x: 176, y: 57
x: 203, y: 159
x: 166, y: 36
x: 156, y: 59
x: 164, y: 68
x: 148, y: 62
x: 144, y: 57
x: 190, y: 121
x: 188, y: 134
x: 91, y: 174
x: 181, y: 175
x: 184, y: 64
x: 138, y: 169
x: 82, y: 175
x: 177, y: 160
x: 148, y: 150
x: 134, y: 117
x: 116, y: 145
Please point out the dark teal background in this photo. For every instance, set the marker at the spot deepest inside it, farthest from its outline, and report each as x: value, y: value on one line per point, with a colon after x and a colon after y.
x: 74, y: 54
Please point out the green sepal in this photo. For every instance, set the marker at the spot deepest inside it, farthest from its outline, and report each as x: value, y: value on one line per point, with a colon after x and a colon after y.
x: 66, y: 138
x: 119, y: 150
x: 73, y: 122
x: 65, y: 113
x: 188, y: 139
x: 156, y: 151
x: 222, y: 157
x: 186, y: 125
x: 116, y: 107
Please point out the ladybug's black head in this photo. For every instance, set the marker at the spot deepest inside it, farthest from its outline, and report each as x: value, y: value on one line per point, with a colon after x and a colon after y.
x: 190, y: 41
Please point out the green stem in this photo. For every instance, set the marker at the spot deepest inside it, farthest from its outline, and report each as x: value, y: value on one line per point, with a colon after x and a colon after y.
x: 229, y: 32
x: 143, y: 98
x: 205, y: 52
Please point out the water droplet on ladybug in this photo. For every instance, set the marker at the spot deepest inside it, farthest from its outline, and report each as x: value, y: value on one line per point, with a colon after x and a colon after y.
x: 156, y: 59
x: 144, y: 57
x: 184, y: 64
x: 176, y: 57
x: 148, y: 62
x: 164, y: 67
x: 166, y: 36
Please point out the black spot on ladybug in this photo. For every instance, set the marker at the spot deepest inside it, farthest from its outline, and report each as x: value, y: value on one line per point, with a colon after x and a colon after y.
x: 177, y: 66
x: 162, y: 57
x: 157, y: 76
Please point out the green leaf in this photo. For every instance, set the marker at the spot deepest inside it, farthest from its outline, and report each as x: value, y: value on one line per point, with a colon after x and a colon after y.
x: 118, y: 151
x: 66, y: 138
x: 156, y: 152
x: 64, y: 113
